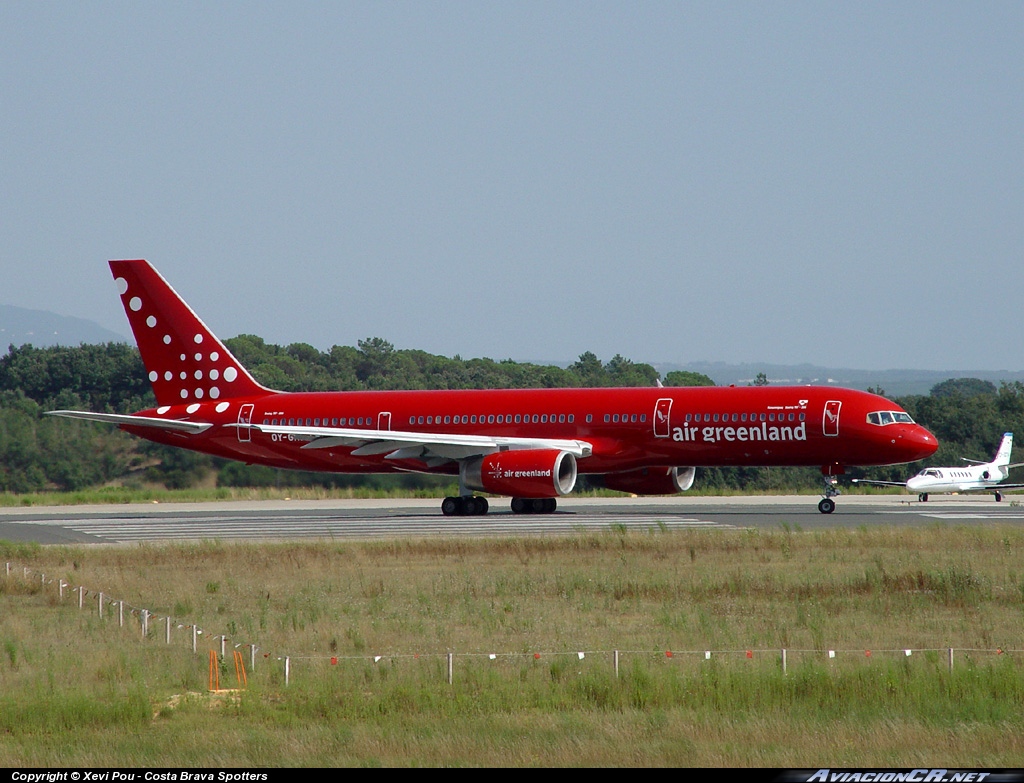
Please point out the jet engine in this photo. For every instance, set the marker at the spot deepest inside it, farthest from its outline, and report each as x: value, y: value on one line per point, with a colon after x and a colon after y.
x: 526, y: 473
x: 651, y: 481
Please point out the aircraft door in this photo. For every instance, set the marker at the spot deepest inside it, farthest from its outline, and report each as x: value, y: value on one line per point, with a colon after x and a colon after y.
x: 384, y: 420
x: 662, y: 409
x: 830, y: 418
x: 245, y: 418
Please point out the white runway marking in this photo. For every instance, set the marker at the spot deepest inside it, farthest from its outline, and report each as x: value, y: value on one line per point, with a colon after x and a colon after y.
x: 217, y: 527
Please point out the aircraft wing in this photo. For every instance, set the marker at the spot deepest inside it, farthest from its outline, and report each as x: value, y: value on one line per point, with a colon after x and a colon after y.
x: 175, y: 425
x: 429, y: 447
x: 880, y: 483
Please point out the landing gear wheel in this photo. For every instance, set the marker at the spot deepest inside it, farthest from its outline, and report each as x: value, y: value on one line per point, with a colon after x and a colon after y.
x: 923, y: 497
x: 827, y: 506
x: 467, y: 506
x: 534, y: 505
x: 999, y: 497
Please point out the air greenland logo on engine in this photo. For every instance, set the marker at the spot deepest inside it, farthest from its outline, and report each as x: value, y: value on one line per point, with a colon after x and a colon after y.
x: 497, y: 474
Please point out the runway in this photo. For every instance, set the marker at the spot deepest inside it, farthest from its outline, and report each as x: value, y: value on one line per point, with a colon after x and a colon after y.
x: 383, y: 519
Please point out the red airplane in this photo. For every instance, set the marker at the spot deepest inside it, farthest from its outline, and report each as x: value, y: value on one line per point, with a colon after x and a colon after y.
x: 530, y: 444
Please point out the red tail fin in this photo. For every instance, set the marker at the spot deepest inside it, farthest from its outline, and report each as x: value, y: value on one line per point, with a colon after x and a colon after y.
x: 185, y: 360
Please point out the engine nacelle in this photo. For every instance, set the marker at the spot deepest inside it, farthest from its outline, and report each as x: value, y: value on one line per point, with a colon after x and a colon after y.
x: 527, y: 473
x: 651, y: 481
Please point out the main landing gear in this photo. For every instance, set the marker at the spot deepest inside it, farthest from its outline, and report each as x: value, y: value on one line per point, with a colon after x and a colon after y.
x: 471, y: 506
x: 464, y: 506
x: 534, y: 505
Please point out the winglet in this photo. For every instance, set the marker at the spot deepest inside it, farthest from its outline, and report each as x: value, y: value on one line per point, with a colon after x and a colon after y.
x: 185, y: 360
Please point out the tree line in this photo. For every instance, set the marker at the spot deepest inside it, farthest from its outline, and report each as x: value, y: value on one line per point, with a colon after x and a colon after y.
x: 38, y: 452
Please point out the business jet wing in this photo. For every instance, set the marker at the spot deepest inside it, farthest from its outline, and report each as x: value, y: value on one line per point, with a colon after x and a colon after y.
x: 175, y: 425
x: 433, y: 448
x: 880, y: 483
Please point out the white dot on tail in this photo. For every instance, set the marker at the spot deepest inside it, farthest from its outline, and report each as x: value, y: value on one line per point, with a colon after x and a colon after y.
x: 122, y: 286
x: 214, y: 356
x: 182, y: 357
x: 135, y: 304
x: 193, y: 407
x: 199, y: 393
x: 163, y: 409
x: 151, y: 321
x: 214, y: 375
x: 230, y: 374
x: 153, y: 375
x: 221, y: 406
x: 183, y: 375
x: 168, y: 375
x: 198, y: 338
x: 214, y: 394
x: 199, y: 375
x: 167, y: 339
x: 184, y: 394
x: 199, y: 357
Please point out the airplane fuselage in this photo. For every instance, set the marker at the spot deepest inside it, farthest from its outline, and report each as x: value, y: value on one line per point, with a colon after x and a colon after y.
x: 627, y: 428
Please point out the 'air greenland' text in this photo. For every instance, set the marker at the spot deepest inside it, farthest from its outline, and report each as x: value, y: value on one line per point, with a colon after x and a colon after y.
x: 751, y: 433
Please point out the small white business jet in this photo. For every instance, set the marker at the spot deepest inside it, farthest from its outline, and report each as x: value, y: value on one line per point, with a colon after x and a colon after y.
x: 978, y: 477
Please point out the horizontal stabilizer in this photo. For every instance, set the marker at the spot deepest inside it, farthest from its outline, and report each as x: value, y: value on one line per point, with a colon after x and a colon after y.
x: 175, y: 425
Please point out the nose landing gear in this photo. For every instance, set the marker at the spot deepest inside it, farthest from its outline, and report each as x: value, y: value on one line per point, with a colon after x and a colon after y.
x: 827, y: 505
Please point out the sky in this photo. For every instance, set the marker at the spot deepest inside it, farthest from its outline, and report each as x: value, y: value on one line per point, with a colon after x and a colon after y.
x: 840, y: 183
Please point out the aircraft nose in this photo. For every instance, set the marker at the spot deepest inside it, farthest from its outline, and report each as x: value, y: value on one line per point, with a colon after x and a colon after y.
x: 917, y: 443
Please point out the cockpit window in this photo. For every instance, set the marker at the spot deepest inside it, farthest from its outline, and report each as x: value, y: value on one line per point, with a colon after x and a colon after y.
x: 882, y: 418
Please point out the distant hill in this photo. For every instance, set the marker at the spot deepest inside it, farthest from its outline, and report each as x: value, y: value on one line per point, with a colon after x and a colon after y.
x: 20, y: 326
x: 894, y: 383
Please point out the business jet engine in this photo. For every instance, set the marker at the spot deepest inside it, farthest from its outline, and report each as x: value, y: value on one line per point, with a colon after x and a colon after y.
x: 526, y: 473
x: 651, y: 481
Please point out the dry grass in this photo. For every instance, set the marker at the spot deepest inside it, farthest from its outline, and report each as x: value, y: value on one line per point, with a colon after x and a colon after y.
x: 77, y: 689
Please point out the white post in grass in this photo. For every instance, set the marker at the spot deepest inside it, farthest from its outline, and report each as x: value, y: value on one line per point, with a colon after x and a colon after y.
x: 99, y: 605
x: 451, y: 657
x: 145, y: 623
x: 784, y: 660
x: 287, y: 669
x: 195, y: 633
x: 615, y: 663
x: 120, y: 613
x: 81, y: 596
x: 252, y: 657
x: 951, y: 659
x: 168, y: 636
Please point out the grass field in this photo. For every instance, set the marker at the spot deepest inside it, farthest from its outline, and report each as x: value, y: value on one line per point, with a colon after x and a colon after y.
x: 80, y: 689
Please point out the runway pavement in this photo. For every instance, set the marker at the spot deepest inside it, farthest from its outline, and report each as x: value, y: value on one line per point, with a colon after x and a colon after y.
x: 379, y: 519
